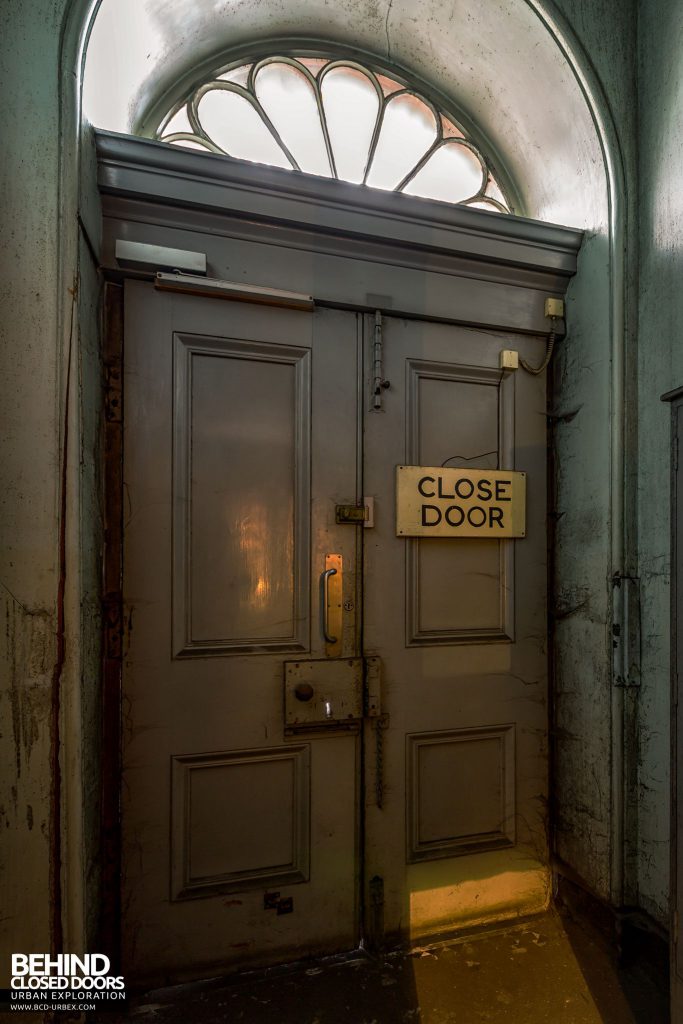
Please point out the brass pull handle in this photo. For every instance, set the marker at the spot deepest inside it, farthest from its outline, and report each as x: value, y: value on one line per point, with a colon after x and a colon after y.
x: 331, y: 601
x: 325, y: 604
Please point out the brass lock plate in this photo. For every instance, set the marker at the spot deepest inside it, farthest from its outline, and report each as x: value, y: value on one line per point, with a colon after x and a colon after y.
x: 355, y: 515
x: 325, y: 694
x: 352, y: 514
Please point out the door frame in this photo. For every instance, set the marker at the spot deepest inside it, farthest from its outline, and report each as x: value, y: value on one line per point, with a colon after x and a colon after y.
x: 675, y: 400
x: 113, y: 627
x: 452, y: 264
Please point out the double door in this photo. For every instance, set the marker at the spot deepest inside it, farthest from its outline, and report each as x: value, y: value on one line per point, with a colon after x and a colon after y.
x: 330, y: 732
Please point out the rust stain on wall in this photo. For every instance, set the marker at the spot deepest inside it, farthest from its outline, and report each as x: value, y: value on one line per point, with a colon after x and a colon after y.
x: 30, y: 637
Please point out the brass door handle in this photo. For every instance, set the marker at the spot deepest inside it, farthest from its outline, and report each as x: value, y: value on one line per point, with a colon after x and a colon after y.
x: 325, y: 604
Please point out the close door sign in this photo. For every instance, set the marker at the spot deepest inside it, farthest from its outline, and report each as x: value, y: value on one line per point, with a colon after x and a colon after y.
x: 433, y: 501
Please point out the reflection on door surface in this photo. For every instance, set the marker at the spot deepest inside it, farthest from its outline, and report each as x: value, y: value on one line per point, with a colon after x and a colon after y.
x: 279, y: 643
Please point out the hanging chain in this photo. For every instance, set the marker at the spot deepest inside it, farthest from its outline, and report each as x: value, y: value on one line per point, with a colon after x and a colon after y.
x: 378, y: 382
x: 381, y: 724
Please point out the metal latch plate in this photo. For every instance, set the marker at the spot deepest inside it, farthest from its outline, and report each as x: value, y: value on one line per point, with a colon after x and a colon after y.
x: 351, y: 514
x: 355, y: 514
x: 323, y: 694
x: 373, y: 686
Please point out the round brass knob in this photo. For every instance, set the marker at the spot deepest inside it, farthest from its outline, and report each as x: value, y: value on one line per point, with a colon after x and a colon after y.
x: 303, y: 691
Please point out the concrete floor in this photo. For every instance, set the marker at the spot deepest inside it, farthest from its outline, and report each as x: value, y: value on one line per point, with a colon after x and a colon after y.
x: 552, y: 970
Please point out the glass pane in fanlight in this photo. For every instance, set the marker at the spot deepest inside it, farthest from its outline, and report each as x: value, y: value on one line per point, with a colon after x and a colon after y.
x: 351, y: 106
x: 452, y: 174
x: 450, y: 130
x: 288, y: 99
x: 240, y: 76
x: 235, y: 125
x: 180, y: 122
x: 493, y: 190
x: 408, y: 130
x: 388, y: 85
x: 314, y: 64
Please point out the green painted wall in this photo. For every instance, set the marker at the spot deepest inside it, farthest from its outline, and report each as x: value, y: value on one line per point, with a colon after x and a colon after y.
x: 584, y: 735
x: 636, y: 51
x: 29, y: 457
x: 660, y: 368
x: 48, y: 318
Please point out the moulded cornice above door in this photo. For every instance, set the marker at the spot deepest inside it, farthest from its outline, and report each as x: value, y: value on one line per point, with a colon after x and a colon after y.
x: 217, y: 195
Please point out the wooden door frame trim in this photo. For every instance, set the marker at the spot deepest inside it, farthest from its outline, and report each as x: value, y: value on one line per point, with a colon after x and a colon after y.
x: 485, y: 269
x: 112, y: 616
x: 674, y: 399
x: 146, y: 169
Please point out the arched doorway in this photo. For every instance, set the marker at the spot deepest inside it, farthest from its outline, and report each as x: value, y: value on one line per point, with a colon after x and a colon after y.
x: 594, y: 208
x: 353, y: 702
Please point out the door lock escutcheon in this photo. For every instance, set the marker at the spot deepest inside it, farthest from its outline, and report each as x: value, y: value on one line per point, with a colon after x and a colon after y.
x: 332, y: 694
x: 323, y: 694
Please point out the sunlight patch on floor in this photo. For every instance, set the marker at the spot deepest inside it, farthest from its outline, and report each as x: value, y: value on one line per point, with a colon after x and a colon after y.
x: 448, y: 895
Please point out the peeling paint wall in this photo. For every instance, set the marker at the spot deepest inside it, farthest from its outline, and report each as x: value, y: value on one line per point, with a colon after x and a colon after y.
x: 29, y: 456
x: 660, y: 369
x: 90, y: 543
x: 49, y: 784
x: 27, y: 653
x: 581, y: 599
x: 584, y: 734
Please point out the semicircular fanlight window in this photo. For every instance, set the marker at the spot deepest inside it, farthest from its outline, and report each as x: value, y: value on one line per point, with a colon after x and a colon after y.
x: 337, y: 119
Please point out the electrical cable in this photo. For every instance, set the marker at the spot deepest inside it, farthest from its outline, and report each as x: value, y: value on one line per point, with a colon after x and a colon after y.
x: 535, y: 370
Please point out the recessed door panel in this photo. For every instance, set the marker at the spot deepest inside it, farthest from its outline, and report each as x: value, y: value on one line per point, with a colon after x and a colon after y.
x: 446, y: 818
x: 241, y: 483
x: 264, y: 795
x: 458, y: 416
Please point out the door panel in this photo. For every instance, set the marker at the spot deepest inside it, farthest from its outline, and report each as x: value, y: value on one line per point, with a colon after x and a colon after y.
x: 459, y: 834
x: 251, y: 589
x: 457, y: 415
x: 240, y: 437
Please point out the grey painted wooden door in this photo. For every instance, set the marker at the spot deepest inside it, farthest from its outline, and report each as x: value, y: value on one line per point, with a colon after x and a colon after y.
x: 245, y: 427
x: 239, y: 843
x: 460, y: 625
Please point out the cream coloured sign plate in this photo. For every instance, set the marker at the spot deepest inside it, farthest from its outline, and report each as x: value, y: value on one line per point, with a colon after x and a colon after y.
x: 432, y: 501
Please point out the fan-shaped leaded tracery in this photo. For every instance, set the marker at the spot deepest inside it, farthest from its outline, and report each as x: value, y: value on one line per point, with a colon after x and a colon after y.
x: 338, y: 119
